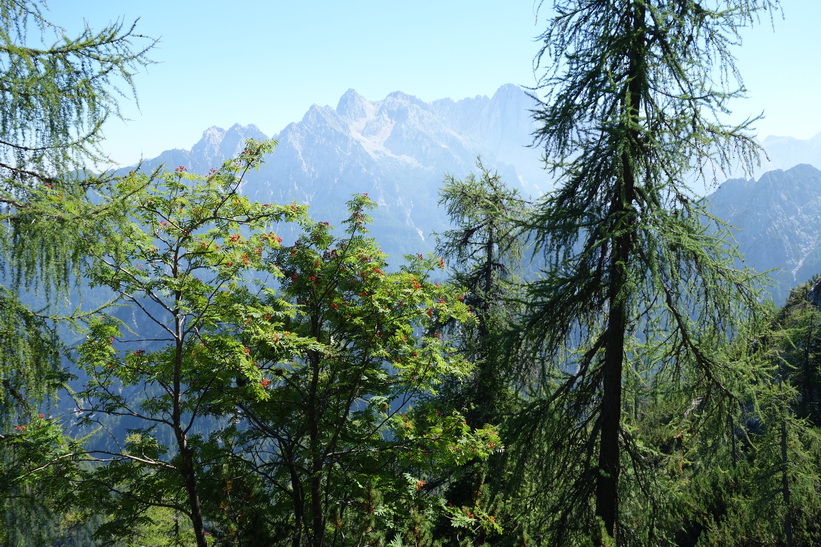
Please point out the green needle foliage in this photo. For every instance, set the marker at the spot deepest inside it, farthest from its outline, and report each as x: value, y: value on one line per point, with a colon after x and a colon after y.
x: 799, y: 327
x: 640, y: 288
x: 56, y: 91
x: 485, y: 251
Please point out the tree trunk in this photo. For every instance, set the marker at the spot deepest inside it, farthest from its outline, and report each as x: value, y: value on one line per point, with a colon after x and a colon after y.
x: 189, y: 474
x: 187, y: 468
x: 785, y: 478
x: 316, y: 464
x: 609, y: 466
x: 623, y: 223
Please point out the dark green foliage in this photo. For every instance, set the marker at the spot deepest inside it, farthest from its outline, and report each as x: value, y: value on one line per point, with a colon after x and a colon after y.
x: 55, y: 94
x: 799, y: 324
x: 638, y: 291
x: 306, y: 393
x: 485, y: 250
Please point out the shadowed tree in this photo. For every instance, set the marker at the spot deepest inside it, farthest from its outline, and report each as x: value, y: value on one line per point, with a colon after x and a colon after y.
x: 640, y: 282
x: 485, y: 249
x: 56, y: 91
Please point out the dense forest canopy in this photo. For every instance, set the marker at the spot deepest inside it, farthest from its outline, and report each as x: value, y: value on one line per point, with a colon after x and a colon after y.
x: 590, y: 368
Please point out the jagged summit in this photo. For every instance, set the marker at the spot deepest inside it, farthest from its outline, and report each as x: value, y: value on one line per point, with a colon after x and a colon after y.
x: 398, y: 150
x: 353, y: 106
x: 776, y: 220
x: 217, y: 144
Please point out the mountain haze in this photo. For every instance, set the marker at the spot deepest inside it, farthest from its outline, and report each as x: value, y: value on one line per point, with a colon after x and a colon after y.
x: 399, y: 149
x: 777, y: 223
x: 787, y: 152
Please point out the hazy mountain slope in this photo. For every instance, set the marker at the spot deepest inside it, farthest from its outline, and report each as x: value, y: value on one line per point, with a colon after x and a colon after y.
x: 398, y: 150
x: 777, y: 223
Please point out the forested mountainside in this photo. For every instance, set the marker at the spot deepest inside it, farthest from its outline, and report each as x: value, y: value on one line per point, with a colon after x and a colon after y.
x: 268, y: 375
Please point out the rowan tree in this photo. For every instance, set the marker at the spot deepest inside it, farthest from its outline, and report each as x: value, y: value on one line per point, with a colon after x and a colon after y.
x: 345, y: 440
x: 180, y: 259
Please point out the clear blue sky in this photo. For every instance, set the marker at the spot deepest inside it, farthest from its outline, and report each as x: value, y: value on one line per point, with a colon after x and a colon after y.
x: 267, y: 62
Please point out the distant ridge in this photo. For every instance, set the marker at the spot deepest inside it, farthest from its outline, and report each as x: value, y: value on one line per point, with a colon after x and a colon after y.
x: 786, y: 152
x: 777, y: 223
x: 399, y: 149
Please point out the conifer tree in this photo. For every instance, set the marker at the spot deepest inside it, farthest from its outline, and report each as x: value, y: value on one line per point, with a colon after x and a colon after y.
x: 56, y: 91
x: 484, y: 249
x: 761, y: 486
x: 640, y: 282
x: 799, y: 323
x: 55, y: 94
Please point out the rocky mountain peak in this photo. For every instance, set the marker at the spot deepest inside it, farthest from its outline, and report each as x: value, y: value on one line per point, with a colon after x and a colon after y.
x: 218, y: 144
x: 353, y: 106
x: 777, y: 223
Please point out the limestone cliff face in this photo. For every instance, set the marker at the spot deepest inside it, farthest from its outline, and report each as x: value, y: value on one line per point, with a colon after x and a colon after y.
x: 397, y: 150
x: 777, y: 223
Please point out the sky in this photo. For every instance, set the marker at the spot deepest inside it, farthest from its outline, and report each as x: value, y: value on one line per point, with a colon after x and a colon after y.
x: 267, y: 61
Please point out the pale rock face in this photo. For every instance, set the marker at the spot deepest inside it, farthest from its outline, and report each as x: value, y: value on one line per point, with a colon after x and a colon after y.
x: 217, y: 144
x: 777, y: 223
x: 399, y: 149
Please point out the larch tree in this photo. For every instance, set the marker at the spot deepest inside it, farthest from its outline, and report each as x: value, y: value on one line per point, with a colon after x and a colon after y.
x: 640, y: 282
x: 56, y: 92
x: 485, y: 250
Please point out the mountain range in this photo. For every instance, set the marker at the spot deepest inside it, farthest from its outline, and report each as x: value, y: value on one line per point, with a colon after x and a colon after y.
x: 776, y: 220
x: 400, y: 148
